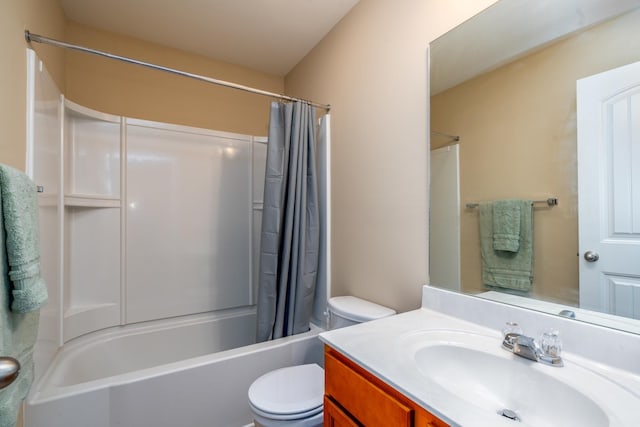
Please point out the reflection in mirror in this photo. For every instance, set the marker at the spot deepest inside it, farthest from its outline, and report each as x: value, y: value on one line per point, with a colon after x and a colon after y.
x: 504, y: 82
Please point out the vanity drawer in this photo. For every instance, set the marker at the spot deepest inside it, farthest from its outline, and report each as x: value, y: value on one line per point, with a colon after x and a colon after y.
x: 365, y: 401
x: 356, y: 397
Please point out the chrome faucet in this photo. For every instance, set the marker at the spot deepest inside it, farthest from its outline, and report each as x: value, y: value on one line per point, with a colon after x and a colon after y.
x: 527, y: 347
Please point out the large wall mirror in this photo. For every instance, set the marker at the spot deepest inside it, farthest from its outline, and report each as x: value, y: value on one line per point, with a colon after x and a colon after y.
x: 508, y: 122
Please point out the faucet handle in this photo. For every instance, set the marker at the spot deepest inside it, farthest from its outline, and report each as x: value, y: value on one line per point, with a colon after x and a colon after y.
x: 511, y: 328
x: 510, y: 333
x: 550, y: 343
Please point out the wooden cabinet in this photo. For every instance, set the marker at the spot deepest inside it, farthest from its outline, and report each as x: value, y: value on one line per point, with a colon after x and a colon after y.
x: 355, y: 397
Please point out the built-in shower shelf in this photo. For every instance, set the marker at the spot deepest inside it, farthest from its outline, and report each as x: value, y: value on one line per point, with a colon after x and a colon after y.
x: 92, y: 200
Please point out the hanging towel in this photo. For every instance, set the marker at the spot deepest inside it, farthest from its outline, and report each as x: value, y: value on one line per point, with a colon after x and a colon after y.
x: 20, y: 219
x: 22, y: 290
x: 505, y: 269
x: 506, y: 225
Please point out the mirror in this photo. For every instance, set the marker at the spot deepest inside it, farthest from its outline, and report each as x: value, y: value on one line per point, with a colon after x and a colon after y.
x: 503, y: 126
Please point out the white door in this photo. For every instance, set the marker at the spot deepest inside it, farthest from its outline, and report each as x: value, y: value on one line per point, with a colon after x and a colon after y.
x: 444, y: 239
x: 608, y: 107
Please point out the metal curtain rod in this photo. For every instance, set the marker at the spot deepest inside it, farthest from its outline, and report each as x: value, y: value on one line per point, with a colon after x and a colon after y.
x: 453, y: 137
x: 30, y: 37
x: 551, y: 201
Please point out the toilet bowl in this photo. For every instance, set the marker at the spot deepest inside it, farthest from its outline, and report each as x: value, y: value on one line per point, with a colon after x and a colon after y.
x: 293, y: 396
x: 288, y: 397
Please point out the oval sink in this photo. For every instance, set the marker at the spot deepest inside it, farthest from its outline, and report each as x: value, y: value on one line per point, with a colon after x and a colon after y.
x: 509, y: 389
x: 499, y: 384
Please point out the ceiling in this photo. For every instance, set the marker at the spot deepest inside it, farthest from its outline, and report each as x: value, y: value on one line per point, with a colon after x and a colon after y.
x: 271, y: 36
x: 480, y: 45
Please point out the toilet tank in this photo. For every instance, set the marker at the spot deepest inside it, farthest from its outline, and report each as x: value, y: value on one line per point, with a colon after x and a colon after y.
x: 348, y: 310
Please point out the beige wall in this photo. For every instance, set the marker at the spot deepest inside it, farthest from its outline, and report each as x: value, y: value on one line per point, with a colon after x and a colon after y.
x: 518, y: 130
x: 372, y: 68
x: 38, y: 16
x: 124, y: 89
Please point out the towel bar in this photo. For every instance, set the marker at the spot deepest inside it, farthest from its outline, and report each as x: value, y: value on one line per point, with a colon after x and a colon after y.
x: 551, y: 201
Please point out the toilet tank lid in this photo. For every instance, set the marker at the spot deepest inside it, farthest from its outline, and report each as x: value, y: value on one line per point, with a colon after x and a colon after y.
x: 357, y: 309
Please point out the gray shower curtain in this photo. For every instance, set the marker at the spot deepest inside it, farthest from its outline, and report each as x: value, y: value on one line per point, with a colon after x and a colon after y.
x: 290, y: 224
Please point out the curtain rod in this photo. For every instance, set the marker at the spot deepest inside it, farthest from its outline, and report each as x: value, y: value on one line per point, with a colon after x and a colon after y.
x: 30, y: 37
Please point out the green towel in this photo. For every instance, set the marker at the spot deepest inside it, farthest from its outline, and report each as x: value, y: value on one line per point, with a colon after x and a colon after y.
x: 20, y: 219
x: 506, y: 225
x: 505, y: 269
x: 22, y: 290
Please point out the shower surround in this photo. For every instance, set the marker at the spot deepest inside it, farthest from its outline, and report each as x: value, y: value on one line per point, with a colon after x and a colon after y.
x: 149, y: 241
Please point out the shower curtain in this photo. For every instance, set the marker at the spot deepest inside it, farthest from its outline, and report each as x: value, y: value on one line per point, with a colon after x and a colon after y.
x: 290, y: 224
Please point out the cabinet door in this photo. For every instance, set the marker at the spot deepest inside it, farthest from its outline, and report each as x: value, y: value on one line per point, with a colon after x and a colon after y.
x: 336, y: 417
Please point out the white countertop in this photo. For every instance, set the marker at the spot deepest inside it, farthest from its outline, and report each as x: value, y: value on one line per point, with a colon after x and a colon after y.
x: 379, y: 346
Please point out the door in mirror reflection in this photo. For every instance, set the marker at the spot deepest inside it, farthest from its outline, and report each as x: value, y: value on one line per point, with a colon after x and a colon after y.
x: 608, y: 114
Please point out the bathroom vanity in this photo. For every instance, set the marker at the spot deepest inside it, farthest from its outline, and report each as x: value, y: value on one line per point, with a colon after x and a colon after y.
x: 444, y: 365
x: 354, y: 396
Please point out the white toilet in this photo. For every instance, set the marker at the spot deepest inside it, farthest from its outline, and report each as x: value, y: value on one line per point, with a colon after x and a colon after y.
x: 293, y: 396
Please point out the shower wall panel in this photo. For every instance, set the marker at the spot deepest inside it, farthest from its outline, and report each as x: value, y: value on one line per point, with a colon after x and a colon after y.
x: 259, y: 167
x: 189, y: 221
x: 43, y: 166
x: 92, y: 210
x: 139, y: 220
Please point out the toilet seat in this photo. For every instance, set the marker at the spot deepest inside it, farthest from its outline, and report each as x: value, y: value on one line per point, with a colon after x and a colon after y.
x: 288, y: 393
x: 286, y: 417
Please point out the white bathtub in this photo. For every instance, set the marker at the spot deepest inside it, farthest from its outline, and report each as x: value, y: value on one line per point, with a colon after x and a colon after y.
x: 191, y: 372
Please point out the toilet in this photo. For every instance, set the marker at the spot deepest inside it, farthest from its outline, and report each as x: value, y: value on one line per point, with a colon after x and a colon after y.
x: 293, y: 396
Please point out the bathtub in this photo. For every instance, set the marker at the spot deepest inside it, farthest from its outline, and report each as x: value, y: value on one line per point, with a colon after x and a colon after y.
x: 193, y: 372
